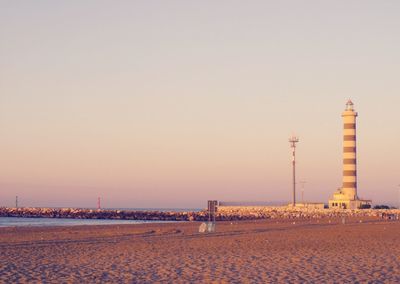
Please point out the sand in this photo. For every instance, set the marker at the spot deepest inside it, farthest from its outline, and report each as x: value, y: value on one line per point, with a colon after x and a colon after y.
x: 325, y: 251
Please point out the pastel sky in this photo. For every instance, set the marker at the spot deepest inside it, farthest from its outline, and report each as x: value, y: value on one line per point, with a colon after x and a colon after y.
x: 170, y: 103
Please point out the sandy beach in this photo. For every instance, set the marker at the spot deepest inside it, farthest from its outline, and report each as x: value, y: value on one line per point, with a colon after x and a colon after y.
x: 308, y: 251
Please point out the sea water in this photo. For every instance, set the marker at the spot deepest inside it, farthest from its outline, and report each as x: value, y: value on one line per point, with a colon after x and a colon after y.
x: 44, y: 222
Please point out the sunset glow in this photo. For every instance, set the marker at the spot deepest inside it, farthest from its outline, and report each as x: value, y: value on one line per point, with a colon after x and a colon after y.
x: 191, y: 101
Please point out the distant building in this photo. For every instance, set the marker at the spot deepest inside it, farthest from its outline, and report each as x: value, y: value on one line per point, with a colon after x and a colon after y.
x: 309, y: 205
x: 346, y: 197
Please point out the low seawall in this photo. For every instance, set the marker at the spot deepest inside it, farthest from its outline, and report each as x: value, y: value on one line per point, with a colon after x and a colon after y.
x: 77, y: 213
x: 284, y: 212
x: 224, y: 213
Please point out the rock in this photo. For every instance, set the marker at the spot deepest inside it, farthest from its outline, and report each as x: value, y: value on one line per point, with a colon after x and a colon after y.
x: 203, y: 228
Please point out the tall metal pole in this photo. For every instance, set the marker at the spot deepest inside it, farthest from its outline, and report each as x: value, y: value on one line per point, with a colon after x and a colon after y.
x: 16, y: 201
x: 293, y: 140
x: 303, y: 182
x: 399, y: 196
x: 294, y: 178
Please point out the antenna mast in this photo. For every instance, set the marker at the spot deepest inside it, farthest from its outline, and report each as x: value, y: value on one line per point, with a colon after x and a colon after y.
x: 303, y: 182
x: 293, y: 140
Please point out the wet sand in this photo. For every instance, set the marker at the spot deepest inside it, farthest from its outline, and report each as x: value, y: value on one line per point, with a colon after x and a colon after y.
x: 248, y: 251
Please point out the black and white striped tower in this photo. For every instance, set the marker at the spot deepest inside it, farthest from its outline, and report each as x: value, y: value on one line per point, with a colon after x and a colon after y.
x: 349, y: 187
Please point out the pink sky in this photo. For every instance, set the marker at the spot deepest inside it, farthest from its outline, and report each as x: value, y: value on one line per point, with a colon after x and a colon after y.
x: 168, y: 104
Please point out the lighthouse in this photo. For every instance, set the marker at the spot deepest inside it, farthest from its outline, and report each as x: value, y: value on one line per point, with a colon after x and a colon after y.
x: 349, y: 186
x: 346, y: 197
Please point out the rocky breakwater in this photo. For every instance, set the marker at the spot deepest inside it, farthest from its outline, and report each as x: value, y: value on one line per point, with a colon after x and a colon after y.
x: 224, y: 213
x: 76, y: 213
x: 230, y: 213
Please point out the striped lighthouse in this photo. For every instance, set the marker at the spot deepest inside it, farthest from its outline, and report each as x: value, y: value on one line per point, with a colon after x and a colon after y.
x: 349, y: 186
x: 346, y: 197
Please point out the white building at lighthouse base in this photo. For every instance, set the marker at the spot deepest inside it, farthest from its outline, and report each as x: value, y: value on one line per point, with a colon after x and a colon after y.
x: 341, y: 200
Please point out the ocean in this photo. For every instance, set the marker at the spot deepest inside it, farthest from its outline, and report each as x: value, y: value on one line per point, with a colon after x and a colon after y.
x: 45, y: 222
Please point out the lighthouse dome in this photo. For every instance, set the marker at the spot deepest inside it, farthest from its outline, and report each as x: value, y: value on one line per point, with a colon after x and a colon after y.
x: 349, y: 105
